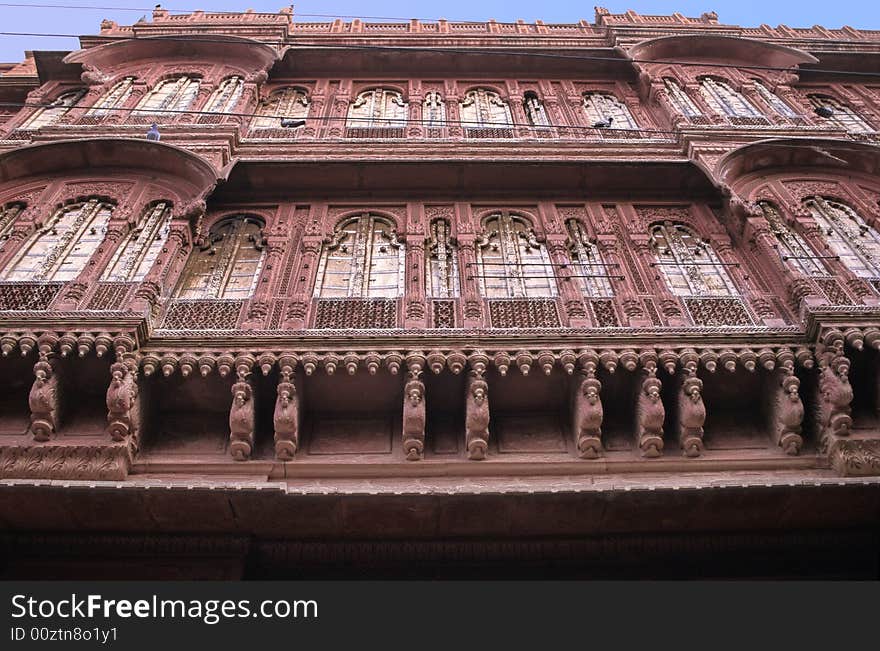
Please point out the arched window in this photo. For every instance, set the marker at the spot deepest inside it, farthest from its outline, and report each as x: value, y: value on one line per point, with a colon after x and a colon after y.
x: 228, y: 264
x: 113, y: 98
x: 175, y: 94
x: 441, y: 261
x: 133, y: 259
x: 283, y: 103
x: 362, y: 260
x: 51, y: 114
x: 795, y: 252
x: 588, y: 262
x: 724, y: 100
x: 599, y: 107
x: 680, y: 99
x: 60, y: 250
x: 8, y: 214
x: 857, y: 244
x: 483, y: 108
x: 225, y: 96
x: 690, y: 265
x: 511, y: 262
x: 774, y: 101
x: 842, y: 116
x: 379, y: 107
x: 434, y: 110
x: 535, y: 111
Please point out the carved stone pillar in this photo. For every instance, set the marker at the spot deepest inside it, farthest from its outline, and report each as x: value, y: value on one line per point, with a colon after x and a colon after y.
x: 520, y: 120
x: 453, y: 113
x: 415, y: 128
x: 670, y: 305
x: 165, y: 270
x: 470, y: 288
x: 415, y: 313
x: 693, y: 91
x: 258, y: 308
x: 302, y: 283
x: 476, y: 416
x: 569, y: 286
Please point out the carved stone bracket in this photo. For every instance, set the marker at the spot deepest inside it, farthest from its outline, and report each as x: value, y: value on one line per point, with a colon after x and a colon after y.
x: 477, y: 417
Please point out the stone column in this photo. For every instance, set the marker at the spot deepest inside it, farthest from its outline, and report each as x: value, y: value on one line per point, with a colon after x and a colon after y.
x: 470, y: 286
x: 302, y: 287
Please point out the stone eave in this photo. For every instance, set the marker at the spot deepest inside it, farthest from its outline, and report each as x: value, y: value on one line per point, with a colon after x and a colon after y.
x: 713, y: 48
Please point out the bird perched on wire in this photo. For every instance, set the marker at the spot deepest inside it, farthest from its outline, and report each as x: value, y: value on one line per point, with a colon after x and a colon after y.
x: 290, y: 123
x: 603, y: 124
x: 153, y: 133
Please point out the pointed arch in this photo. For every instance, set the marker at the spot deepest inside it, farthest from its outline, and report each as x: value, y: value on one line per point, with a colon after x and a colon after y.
x: 601, y: 106
x: 363, y: 259
x: 680, y: 99
x: 774, y: 101
x: 588, y: 261
x: 511, y: 262
x: 113, y: 99
x: 485, y: 114
x: 289, y: 102
x: 853, y: 240
x: 843, y: 116
x: 535, y: 111
x: 61, y: 249
x: 726, y: 101
x: 795, y: 252
x: 689, y: 264
x: 141, y: 247
x: 174, y: 94
x: 52, y: 114
x: 225, y: 97
x: 378, y: 108
x: 228, y: 264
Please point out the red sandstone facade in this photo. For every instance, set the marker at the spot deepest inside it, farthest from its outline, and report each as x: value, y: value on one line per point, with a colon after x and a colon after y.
x: 457, y: 306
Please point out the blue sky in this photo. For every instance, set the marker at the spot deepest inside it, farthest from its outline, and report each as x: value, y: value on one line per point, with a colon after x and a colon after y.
x: 858, y: 13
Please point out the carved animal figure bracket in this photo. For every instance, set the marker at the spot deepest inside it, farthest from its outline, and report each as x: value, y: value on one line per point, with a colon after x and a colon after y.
x: 241, y: 420
x: 477, y: 417
x: 587, y: 414
x: 45, y: 399
x: 650, y: 414
x: 691, y: 415
x: 123, y: 404
x: 786, y: 411
x: 286, y: 418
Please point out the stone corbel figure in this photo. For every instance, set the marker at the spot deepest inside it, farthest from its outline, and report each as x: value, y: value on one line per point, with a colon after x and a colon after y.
x: 477, y: 418
x: 588, y: 416
x: 788, y: 416
x: 122, y: 403
x: 835, y: 396
x: 44, y: 400
x: 414, y: 420
x: 650, y: 416
x: 241, y: 421
x: 286, y: 421
x: 692, y: 416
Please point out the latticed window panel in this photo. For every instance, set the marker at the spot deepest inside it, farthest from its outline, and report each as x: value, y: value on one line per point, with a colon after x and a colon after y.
x: 28, y: 296
x: 53, y: 113
x: 689, y: 265
x: 519, y: 313
x: 834, y: 292
x: 725, y: 101
x: 136, y: 256
x: 485, y: 115
x: 856, y: 243
x: 536, y: 114
x: 225, y: 97
x: 289, y: 102
x: 443, y: 314
x: 795, y: 252
x: 229, y: 263
x: 775, y: 102
x: 62, y: 248
x: 355, y: 314
x: 595, y: 275
x: 202, y: 315
x: 842, y: 115
x: 511, y: 263
x: 362, y: 260
x: 680, y: 99
x: 378, y: 108
x: 602, y: 107
x: 718, y: 312
x: 604, y: 314
x: 112, y: 100
x: 175, y: 94
x: 109, y: 296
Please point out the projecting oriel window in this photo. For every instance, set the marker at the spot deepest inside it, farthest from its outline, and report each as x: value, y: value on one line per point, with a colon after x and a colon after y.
x: 599, y: 107
x: 511, y: 262
x: 362, y: 260
x: 61, y: 249
x: 587, y: 261
x: 724, y: 100
x: 842, y: 115
x: 175, y: 94
x: 485, y: 108
x: 441, y: 261
x: 51, y: 114
x: 857, y: 244
x: 113, y: 99
x: 379, y: 107
x: 689, y: 265
x: 680, y: 99
x: 225, y: 96
x: 289, y: 102
x: 133, y: 259
x: 228, y: 264
x: 795, y: 252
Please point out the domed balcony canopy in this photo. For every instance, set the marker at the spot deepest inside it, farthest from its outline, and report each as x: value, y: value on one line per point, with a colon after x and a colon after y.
x: 710, y: 48
x: 238, y: 53
x: 81, y: 157
x: 764, y: 156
